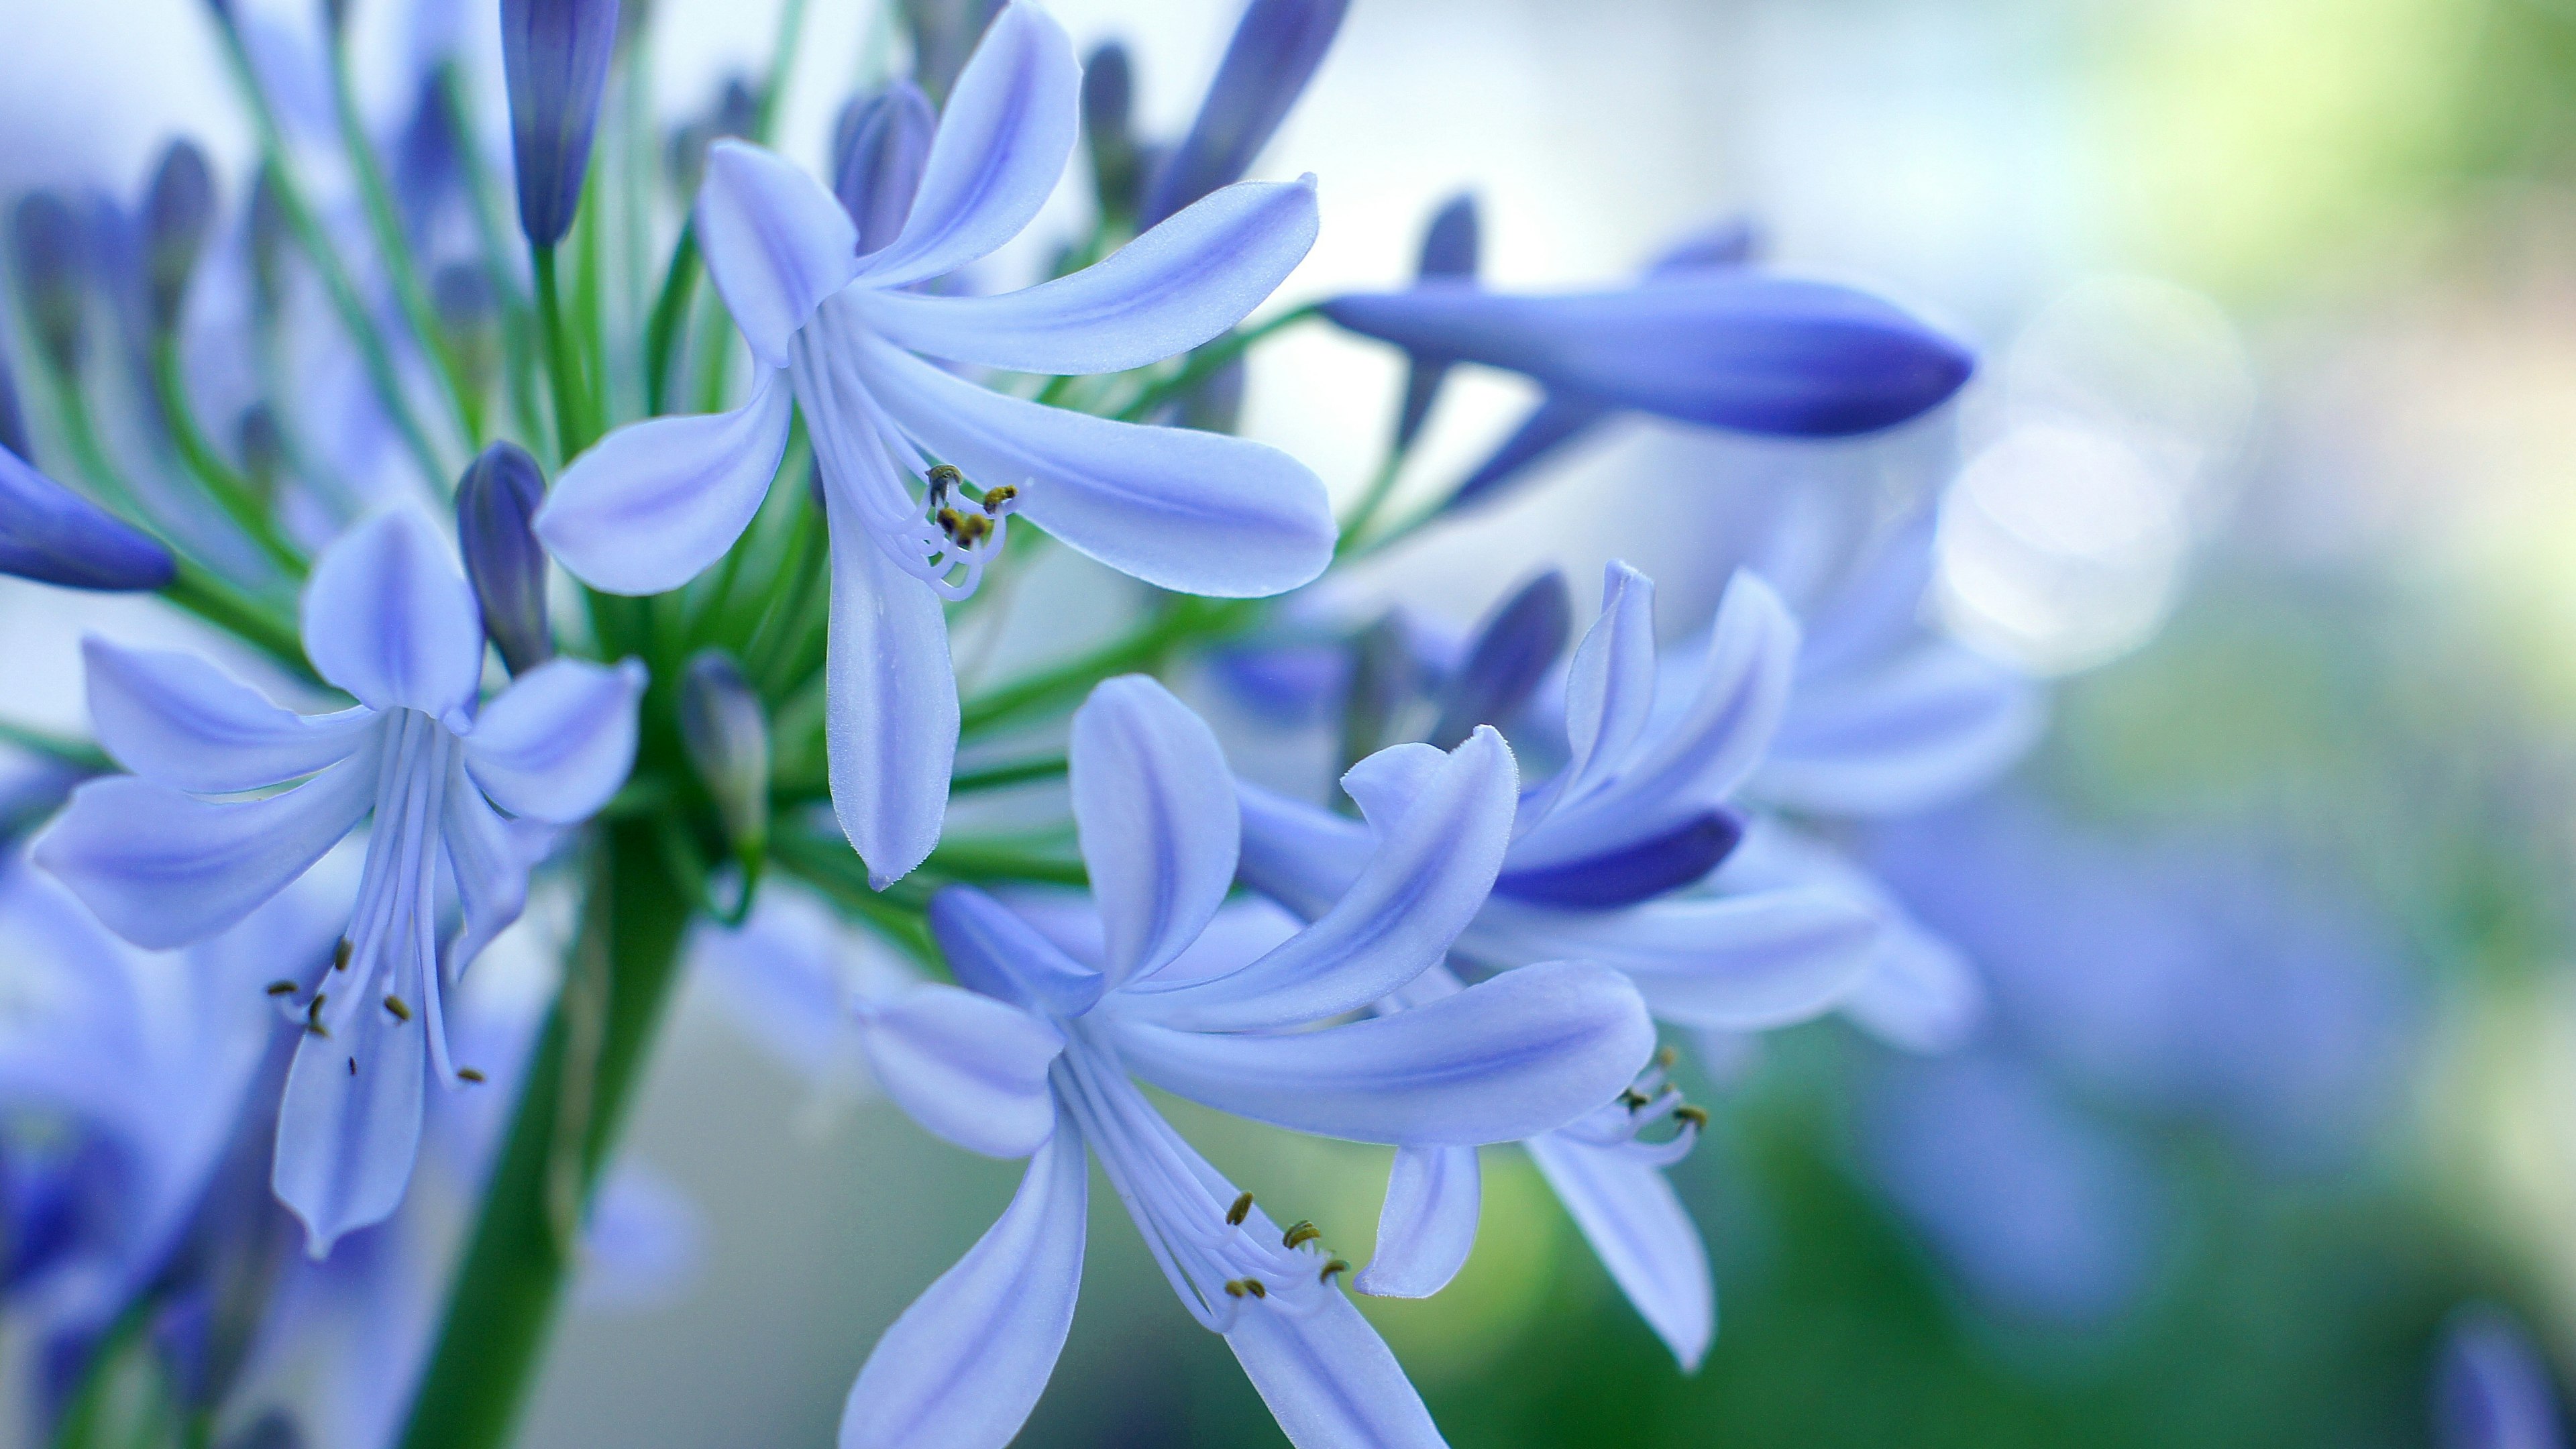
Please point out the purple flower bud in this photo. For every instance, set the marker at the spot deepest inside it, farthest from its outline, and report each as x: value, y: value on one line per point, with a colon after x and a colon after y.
x: 877, y: 155
x: 495, y: 499
x: 1633, y: 872
x: 2491, y: 1387
x: 737, y: 111
x: 13, y: 423
x: 1509, y: 657
x: 1449, y: 251
x: 1108, y: 98
x: 177, y: 212
x: 46, y: 243
x: 55, y: 536
x: 1274, y: 53
x: 555, y: 55
x: 726, y: 733
x: 943, y: 34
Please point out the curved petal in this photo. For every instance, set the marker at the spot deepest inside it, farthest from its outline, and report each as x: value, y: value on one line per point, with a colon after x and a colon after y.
x: 1003, y: 139
x: 1153, y: 803
x: 1427, y: 878
x: 890, y: 703
x: 776, y: 242
x: 966, y: 1362
x: 1610, y: 688
x: 994, y: 951
x: 1329, y: 1379
x: 1638, y: 871
x: 1745, y: 962
x: 1508, y: 1058
x: 653, y: 503
x: 1300, y: 855
x: 162, y: 869
x: 389, y: 617
x: 1504, y: 664
x: 1160, y: 295
x: 1428, y: 1225
x: 348, y: 1130
x: 1920, y: 994
x: 1928, y: 727
x: 1202, y: 513
x: 559, y: 741
x: 1555, y: 422
x: 180, y: 720
x: 491, y: 870
x: 53, y: 535
x: 1641, y: 1233
x: 966, y: 1067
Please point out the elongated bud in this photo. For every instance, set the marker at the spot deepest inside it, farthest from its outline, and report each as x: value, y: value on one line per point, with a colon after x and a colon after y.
x: 555, y: 55
x: 177, y: 213
x: 13, y: 422
x: 1450, y: 246
x: 882, y: 143
x: 736, y: 112
x: 726, y: 733
x: 53, y: 535
x: 1274, y: 53
x: 46, y: 244
x: 943, y: 34
x: 1509, y: 657
x: 1108, y: 103
x: 495, y: 499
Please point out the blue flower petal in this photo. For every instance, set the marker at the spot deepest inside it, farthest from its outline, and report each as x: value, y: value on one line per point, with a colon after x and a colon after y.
x: 1273, y: 54
x: 1329, y: 1379
x: 1930, y: 726
x: 346, y: 1140
x: 559, y: 741
x: 1428, y: 1224
x: 389, y: 617
x: 1508, y: 658
x: 1555, y: 422
x: 994, y: 951
x: 890, y: 708
x: 653, y: 503
x: 53, y: 535
x: 1638, y: 871
x: 969, y: 1068
x: 1153, y: 803
x: 180, y: 720
x: 776, y: 242
x: 1741, y: 962
x: 1641, y: 1233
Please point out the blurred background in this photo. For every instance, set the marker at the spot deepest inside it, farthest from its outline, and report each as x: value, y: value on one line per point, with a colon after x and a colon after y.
x: 2268, y: 469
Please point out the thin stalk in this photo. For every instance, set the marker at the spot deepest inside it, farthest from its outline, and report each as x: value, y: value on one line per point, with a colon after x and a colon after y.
x: 670, y: 310
x: 1205, y: 363
x: 510, y: 1283
x: 971, y: 859
x: 1144, y: 647
x: 492, y: 227
x: 236, y: 494
x: 563, y: 368
x: 589, y: 283
x: 206, y: 595
x: 828, y: 864
x: 995, y: 777
x: 1372, y: 502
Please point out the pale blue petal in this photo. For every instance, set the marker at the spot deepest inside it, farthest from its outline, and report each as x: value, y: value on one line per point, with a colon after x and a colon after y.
x: 1329, y: 1379
x: 1610, y: 688
x: 178, y: 719
x: 776, y: 243
x: 966, y: 1362
x: 1201, y: 513
x: 389, y: 617
x: 890, y: 703
x: 490, y: 866
x: 995, y: 952
x: 1300, y: 855
x: 1932, y: 725
x: 1428, y: 1225
x: 653, y: 503
x: 968, y: 1068
x: 1430, y: 872
x: 1160, y: 295
x: 162, y: 868
x: 1385, y: 784
x: 559, y: 741
x: 1004, y: 137
x: 1920, y: 994
x: 1521, y: 1054
x: 1746, y: 962
x: 1153, y: 803
x: 1639, y: 1230
x: 346, y: 1140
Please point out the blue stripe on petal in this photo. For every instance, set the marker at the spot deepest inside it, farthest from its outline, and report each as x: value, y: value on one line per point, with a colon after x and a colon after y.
x: 1744, y: 963
x: 1638, y: 871
x: 389, y: 617
x: 180, y: 720
x: 1329, y: 1379
x: 890, y: 702
x: 993, y: 951
x: 559, y: 741
x: 346, y: 1140
x: 1428, y: 1224
x: 1641, y: 1233
x: 969, y: 1068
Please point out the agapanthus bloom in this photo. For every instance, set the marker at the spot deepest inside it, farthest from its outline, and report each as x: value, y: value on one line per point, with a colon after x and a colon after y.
x: 922, y: 468
x: 1159, y: 985
x: 164, y: 859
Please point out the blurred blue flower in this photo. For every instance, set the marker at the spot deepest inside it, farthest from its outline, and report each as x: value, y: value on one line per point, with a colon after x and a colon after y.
x: 2491, y: 1387
x: 555, y: 54
x: 55, y: 536
x: 1276, y: 48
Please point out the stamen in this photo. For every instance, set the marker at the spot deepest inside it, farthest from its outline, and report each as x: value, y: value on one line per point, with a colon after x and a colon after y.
x: 1335, y: 1266
x: 395, y: 1005
x: 1301, y: 1231
x: 1695, y: 1116
x: 313, y: 1014
x: 1665, y: 1057
x: 468, y: 1074
x: 1234, y: 1288
x: 281, y: 988
x: 340, y: 955
x: 998, y: 499
x: 1242, y: 1209
x: 1632, y: 1099
x: 941, y: 479
x: 353, y: 1066
x: 1253, y: 1287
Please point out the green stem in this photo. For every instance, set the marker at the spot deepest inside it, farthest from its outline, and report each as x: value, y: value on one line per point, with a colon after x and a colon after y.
x: 982, y: 860
x: 1143, y: 648
x: 995, y: 777
x: 206, y: 595
x: 829, y: 865
x: 572, y: 414
x: 670, y: 309
x: 236, y: 494
x: 79, y: 754
x: 580, y: 1084
x: 1207, y: 361
x: 492, y: 227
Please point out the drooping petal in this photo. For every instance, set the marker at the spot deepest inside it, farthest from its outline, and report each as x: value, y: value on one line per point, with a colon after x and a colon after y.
x: 890, y: 703
x: 162, y: 868
x: 1641, y: 1233
x: 1153, y: 803
x: 966, y: 1362
x: 180, y: 720
x: 1507, y: 1058
x: 559, y: 741
x: 1610, y: 689
x: 389, y: 617
x: 969, y: 1068
x: 653, y: 503
x: 1329, y: 1379
x: 1428, y: 1225
x: 346, y: 1139
x: 1744, y: 962
x: 1004, y: 137
x: 1430, y: 872
x: 53, y: 535
x: 1160, y: 295
x: 1201, y: 513
x: 776, y: 242
x: 994, y: 951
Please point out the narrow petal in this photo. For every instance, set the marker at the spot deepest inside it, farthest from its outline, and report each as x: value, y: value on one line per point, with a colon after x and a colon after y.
x: 1428, y: 1225
x: 1154, y: 805
x: 162, y: 869
x: 1508, y: 1058
x: 178, y: 719
x: 1302, y: 856
x: 1744, y: 962
x: 1160, y: 295
x: 1429, y: 874
x: 1627, y: 874
x: 1329, y: 1379
x: 490, y: 866
x: 890, y: 703
x: 389, y: 617
x: 995, y: 952
x: 51, y: 534
x: 1511, y: 654
x: 776, y: 242
x: 1004, y: 136
x: 1610, y: 689
x: 346, y: 1140
x: 1641, y: 1233
x: 1920, y: 994
x: 966, y: 1362
x: 1929, y: 727
x: 1275, y: 50
x: 966, y: 1067
x: 559, y: 741
x: 1555, y: 422
x: 1202, y: 513
x: 655, y: 502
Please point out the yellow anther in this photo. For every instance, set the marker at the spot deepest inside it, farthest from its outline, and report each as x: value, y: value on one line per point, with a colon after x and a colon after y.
x: 1335, y: 1266
x: 1253, y: 1287
x: 468, y: 1074
x: 948, y: 519
x: 968, y: 529
x: 281, y: 988
x: 942, y: 477
x: 396, y: 1005
x: 340, y: 955
x: 1242, y: 1209
x: 1301, y: 1232
x: 1233, y: 1287
x: 1632, y: 1099
x: 313, y: 1014
x: 994, y: 498
x: 1695, y: 1116
x: 1666, y: 1057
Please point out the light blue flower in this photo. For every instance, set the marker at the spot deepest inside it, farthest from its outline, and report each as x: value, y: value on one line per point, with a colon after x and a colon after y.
x: 389, y: 618
x: 904, y: 442
x: 2492, y: 1386
x: 1161, y: 983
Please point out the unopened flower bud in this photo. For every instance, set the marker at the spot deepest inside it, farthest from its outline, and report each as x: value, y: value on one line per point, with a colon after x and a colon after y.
x: 726, y: 733
x: 878, y: 154
x: 495, y: 499
x: 1449, y: 253
x: 53, y: 535
x: 1274, y: 53
x: 736, y: 113
x: 1108, y: 101
x: 46, y: 242
x: 1506, y: 661
x: 555, y: 56
x: 177, y: 212
x: 943, y: 34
